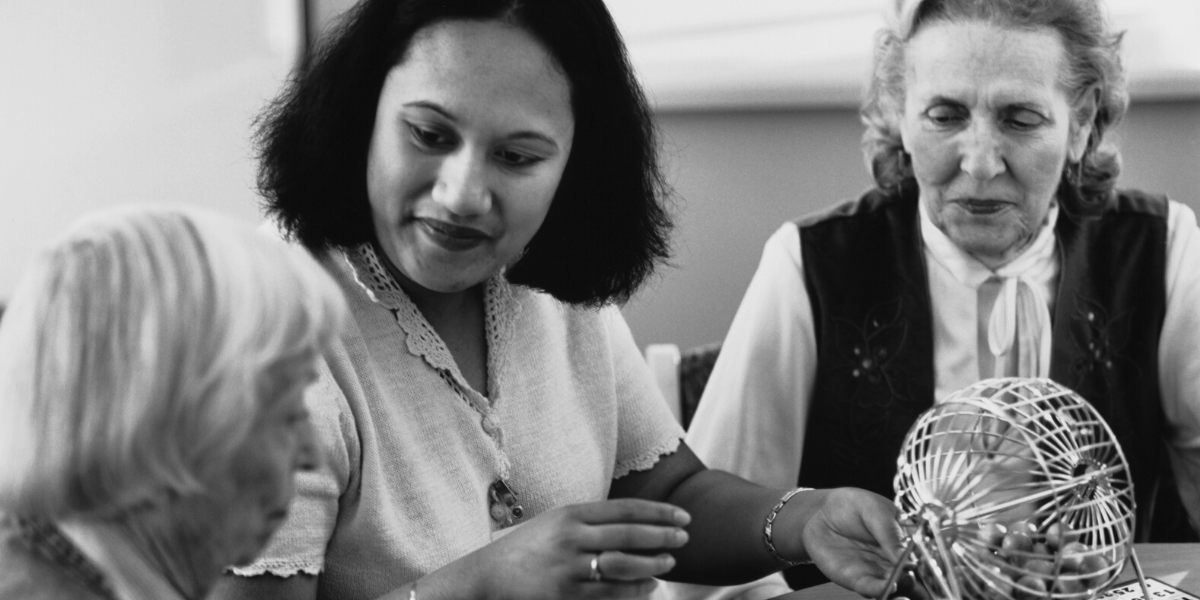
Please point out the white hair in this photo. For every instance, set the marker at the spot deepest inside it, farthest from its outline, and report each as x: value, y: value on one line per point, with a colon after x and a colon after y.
x: 133, y: 352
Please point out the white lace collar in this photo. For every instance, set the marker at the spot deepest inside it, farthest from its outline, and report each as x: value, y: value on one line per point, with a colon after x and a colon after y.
x: 501, y: 306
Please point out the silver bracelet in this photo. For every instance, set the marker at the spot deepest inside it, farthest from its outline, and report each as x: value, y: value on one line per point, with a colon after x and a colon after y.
x: 771, y: 523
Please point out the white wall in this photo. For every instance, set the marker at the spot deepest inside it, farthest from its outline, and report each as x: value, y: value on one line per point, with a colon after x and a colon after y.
x: 116, y: 101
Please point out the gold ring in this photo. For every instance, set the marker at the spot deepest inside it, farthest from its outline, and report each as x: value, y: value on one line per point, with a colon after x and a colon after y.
x: 596, y: 575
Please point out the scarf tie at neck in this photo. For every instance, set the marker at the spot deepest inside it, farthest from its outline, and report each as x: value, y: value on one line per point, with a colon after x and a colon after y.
x: 1021, y: 314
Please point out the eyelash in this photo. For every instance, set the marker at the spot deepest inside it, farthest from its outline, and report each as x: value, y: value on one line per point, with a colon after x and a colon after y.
x: 431, y: 139
x: 953, y: 117
x: 944, y: 116
x: 1022, y: 125
x: 521, y: 159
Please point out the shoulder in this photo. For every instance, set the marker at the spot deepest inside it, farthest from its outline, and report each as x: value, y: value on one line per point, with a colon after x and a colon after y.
x: 1127, y: 212
x: 1180, y: 217
x: 873, y: 205
x: 26, y: 576
x: 1137, y: 202
x: 850, y: 228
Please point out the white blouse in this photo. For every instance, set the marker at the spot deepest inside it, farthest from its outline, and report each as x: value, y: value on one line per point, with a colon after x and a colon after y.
x: 752, y: 418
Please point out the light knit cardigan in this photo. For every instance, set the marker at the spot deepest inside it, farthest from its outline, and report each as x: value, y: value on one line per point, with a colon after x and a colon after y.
x: 411, y: 450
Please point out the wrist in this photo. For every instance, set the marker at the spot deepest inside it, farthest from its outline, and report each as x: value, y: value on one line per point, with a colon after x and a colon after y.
x: 461, y: 579
x: 790, y: 517
x: 474, y: 580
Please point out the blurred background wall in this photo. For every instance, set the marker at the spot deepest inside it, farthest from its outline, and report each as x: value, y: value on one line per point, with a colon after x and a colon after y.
x: 121, y: 101
x: 151, y: 100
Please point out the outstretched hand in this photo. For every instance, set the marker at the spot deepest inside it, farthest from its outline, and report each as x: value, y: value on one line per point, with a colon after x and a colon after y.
x: 551, y: 555
x: 854, y: 539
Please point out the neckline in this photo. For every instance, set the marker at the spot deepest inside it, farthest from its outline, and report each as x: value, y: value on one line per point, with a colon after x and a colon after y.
x: 969, y: 271
x: 501, y: 309
x: 44, y: 538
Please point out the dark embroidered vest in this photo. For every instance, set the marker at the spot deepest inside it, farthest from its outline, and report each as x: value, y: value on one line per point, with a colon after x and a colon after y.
x: 865, y: 273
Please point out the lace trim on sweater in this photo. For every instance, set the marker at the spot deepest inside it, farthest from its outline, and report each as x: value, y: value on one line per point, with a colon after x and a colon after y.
x: 646, y: 461
x: 276, y: 568
x: 501, y: 309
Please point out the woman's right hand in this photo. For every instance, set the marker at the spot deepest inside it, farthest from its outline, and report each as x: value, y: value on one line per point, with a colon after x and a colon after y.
x: 550, y: 556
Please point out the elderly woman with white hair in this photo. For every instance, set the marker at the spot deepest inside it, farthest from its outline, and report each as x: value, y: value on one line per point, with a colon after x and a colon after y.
x: 153, y: 364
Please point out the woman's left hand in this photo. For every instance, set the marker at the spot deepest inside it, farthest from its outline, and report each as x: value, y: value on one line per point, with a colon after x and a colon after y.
x: 854, y: 539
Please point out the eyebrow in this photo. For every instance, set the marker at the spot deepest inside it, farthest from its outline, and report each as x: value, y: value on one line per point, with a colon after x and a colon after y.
x: 435, y: 107
x: 941, y: 99
x: 519, y: 135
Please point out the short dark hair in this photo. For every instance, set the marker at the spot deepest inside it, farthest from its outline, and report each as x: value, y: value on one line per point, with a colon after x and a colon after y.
x: 607, y: 227
x: 1092, y: 62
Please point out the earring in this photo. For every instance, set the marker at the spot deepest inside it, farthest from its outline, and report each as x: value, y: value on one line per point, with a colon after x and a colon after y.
x: 1073, y: 172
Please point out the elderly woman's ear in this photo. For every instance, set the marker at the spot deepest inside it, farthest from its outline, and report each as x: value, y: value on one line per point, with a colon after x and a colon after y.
x: 1083, y: 117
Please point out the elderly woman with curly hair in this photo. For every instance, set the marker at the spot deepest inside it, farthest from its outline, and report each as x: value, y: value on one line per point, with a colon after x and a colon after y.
x: 995, y: 243
x: 480, y: 177
x: 153, y: 364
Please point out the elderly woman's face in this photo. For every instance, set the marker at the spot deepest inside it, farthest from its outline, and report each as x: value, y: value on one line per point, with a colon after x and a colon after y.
x: 472, y: 134
x: 247, y: 504
x: 988, y: 127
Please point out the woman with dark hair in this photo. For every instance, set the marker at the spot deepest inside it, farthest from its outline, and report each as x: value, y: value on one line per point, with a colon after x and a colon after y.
x: 480, y: 177
x: 995, y: 244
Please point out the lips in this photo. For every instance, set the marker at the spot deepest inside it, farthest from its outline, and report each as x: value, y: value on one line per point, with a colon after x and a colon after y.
x: 452, y: 237
x: 978, y: 206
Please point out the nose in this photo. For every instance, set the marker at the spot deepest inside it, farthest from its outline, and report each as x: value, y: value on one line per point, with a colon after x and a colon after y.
x: 461, y: 186
x: 308, y: 454
x: 982, y: 152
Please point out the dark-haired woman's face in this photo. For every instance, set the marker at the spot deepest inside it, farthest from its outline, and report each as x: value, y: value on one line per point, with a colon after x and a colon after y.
x: 472, y: 134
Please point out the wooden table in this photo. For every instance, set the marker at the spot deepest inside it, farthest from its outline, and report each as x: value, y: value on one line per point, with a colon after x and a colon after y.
x: 1176, y: 564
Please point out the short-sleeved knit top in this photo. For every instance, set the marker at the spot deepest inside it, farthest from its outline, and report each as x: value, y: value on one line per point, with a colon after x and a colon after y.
x: 410, y: 450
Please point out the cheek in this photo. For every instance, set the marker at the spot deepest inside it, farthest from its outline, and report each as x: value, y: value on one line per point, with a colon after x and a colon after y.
x: 265, y: 472
x: 392, y: 174
x: 1042, y: 164
x: 528, y: 216
x: 933, y: 160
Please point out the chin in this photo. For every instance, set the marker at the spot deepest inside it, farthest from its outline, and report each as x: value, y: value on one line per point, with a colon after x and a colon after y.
x: 248, y: 550
x: 992, y: 249
x: 448, y: 287
x: 460, y: 279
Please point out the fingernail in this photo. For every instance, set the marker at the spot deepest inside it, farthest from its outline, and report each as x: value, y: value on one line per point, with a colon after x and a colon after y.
x: 681, y: 537
x: 682, y: 517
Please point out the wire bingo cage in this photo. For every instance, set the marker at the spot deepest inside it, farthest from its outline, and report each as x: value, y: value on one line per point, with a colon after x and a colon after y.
x: 1013, y: 489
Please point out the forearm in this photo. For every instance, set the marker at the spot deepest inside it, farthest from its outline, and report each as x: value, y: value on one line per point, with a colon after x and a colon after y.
x: 459, y: 579
x: 726, y: 533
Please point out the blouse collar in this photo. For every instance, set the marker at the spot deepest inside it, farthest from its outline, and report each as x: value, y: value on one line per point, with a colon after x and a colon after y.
x: 132, y: 577
x: 502, y: 308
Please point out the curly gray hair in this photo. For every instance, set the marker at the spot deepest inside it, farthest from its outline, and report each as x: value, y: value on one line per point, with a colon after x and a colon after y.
x: 1093, y: 67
